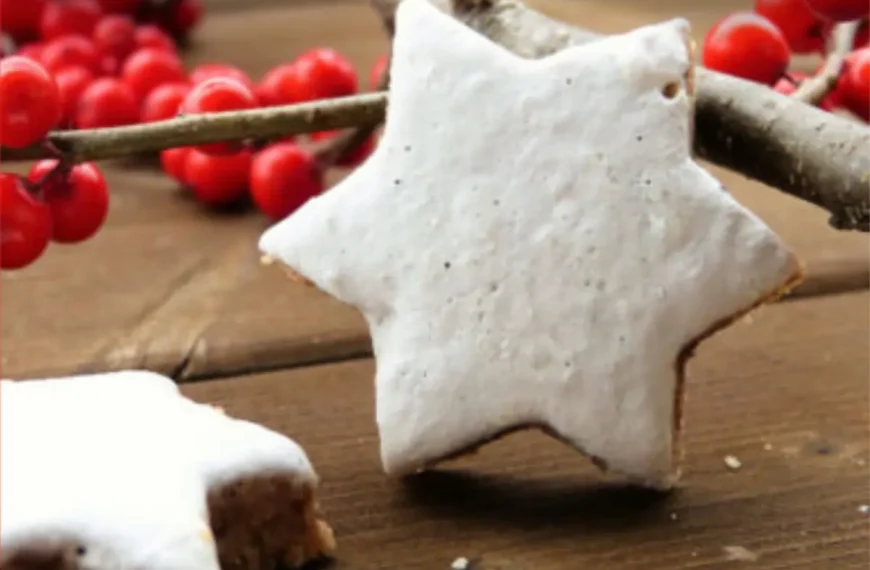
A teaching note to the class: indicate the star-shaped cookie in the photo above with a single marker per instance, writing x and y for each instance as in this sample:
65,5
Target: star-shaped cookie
532,244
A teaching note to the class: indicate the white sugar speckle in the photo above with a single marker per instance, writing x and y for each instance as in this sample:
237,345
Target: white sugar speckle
732,462
864,509
461,563
674,516
768,447
739,553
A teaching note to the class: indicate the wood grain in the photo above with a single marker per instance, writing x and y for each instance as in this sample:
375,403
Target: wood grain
786,393
170,286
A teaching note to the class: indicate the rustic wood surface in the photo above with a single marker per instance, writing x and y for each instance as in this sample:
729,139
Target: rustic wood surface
785,393
171,287
175,288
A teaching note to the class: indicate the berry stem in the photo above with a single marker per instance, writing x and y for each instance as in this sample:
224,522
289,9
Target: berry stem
343,144
815,89
37,187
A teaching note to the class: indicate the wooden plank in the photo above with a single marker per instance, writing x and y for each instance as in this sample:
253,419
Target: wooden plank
786,393
174,288
67,311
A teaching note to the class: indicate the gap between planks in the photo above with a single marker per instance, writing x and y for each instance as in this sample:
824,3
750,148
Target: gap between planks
358,347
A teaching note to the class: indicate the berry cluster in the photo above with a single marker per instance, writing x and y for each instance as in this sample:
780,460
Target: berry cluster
76,64
279,176
55,202
98,68
758,46
40,21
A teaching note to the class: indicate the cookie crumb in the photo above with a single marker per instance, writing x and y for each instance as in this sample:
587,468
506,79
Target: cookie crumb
739,553
732,462
461,563
864,509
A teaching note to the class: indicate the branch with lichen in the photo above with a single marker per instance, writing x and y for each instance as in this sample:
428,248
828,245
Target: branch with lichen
813,155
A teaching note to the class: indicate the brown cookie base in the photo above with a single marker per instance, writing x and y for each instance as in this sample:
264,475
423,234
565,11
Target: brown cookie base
262,522
267,522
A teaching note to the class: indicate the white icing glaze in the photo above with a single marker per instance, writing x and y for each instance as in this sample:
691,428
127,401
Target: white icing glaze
121,463
531,242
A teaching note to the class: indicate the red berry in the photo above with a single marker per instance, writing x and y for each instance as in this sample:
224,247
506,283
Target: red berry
173,161
67,51
357,156
803,30
150,36
119,6
207,71
25,224
317,74
283,177
840,10
32,51
30,102
71,82
69,17
855,83
163,102
329,74
79,202
269,90
378,71
215,179
216,95
110,65
182,16
149,68
746,45
107,102
20,18
115,35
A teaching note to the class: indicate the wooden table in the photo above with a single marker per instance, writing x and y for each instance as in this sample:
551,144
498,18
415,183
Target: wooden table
172,287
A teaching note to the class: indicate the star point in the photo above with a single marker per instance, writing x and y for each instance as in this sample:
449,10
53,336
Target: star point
533,245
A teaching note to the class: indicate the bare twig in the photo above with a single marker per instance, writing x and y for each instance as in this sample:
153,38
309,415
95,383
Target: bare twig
816,156
271,122
814,89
